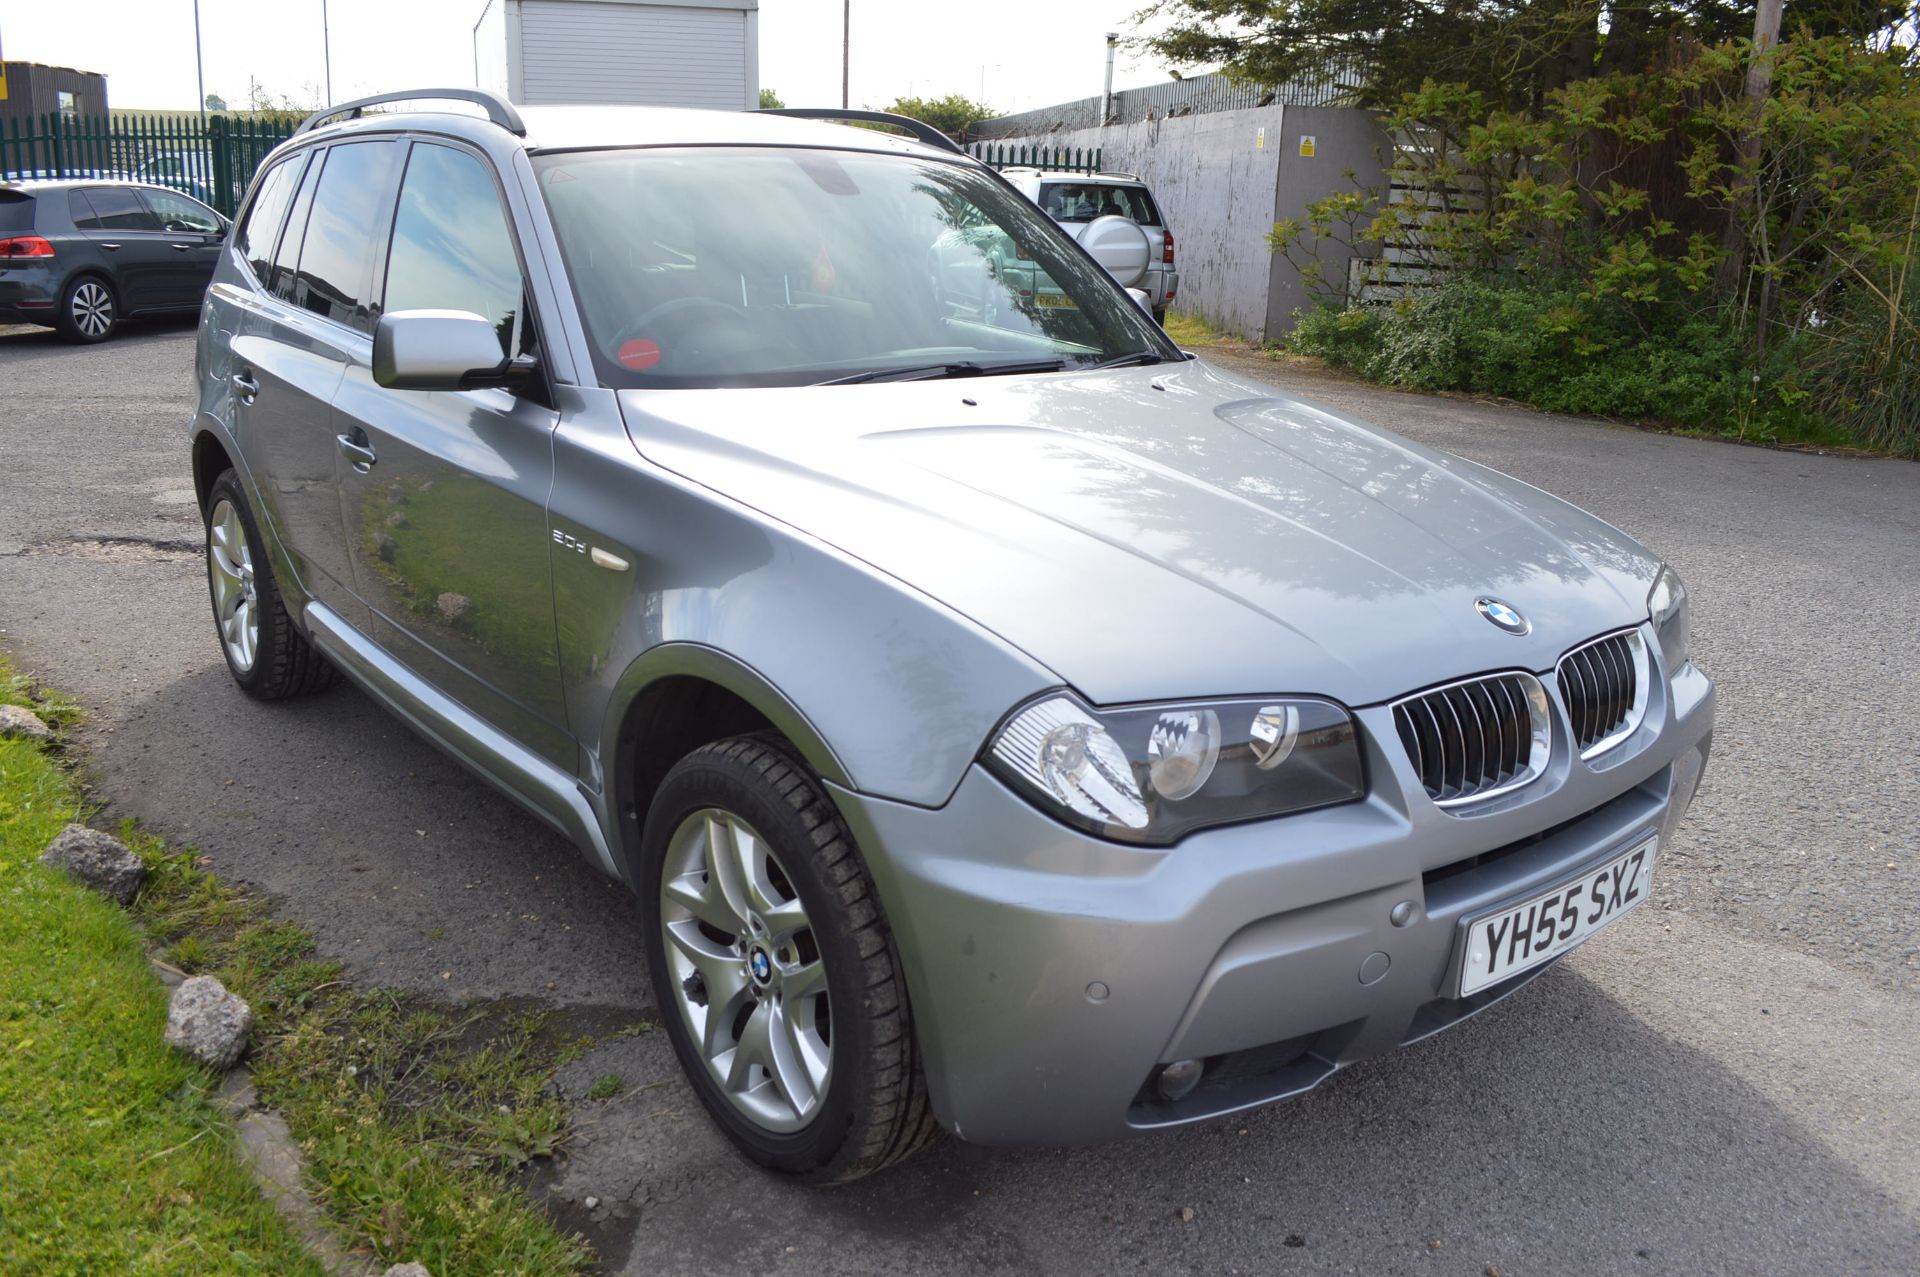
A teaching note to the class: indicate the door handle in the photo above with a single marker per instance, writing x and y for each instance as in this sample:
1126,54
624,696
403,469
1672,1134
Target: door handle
111,248
246,385
182,248
353,450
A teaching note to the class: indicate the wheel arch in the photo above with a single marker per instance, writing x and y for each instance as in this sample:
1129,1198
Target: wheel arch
675,698
210,458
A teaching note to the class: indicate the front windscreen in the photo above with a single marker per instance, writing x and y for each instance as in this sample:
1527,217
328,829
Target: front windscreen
775,266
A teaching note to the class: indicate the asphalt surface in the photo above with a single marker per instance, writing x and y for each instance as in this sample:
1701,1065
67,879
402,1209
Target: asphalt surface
1726,1082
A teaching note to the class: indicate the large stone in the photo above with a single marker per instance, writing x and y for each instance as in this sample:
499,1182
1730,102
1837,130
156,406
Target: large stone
24,723
208,1023
407,1270
96,860
454,607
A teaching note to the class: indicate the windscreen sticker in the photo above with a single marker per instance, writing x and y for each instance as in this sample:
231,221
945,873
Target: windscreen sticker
638,354
823,273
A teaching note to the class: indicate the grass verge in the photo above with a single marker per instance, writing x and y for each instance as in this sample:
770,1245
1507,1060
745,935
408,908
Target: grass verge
415,1120
113,1158
1189,331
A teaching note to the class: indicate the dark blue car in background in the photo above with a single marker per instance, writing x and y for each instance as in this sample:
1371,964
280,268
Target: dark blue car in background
82,255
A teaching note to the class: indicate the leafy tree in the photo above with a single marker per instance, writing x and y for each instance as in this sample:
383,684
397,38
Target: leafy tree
953,114
1515,52
770,101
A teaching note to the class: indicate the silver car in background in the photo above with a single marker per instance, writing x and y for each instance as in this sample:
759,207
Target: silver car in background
1006,722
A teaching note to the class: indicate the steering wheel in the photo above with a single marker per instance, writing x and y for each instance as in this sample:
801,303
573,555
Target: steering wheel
638,326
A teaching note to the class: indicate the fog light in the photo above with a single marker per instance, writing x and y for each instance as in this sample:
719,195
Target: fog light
1179,1078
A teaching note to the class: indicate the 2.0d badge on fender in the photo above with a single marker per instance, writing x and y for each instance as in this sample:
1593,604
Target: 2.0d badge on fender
1006,722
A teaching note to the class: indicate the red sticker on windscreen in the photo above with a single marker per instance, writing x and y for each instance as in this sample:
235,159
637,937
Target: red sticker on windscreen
638,353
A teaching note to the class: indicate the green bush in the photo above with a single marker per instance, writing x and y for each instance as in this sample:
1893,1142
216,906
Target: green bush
1556,350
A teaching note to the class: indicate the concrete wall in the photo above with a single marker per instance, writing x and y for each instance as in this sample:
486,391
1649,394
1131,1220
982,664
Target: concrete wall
1344,140
1222,178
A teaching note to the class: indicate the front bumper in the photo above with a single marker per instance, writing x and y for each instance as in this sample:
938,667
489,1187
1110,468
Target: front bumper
1052,973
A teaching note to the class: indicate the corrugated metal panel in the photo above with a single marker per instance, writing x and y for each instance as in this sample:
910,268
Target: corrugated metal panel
1197,95
637,55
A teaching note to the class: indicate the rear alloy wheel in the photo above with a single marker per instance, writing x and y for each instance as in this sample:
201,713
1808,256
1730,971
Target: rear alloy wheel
774,967
87,310
267,656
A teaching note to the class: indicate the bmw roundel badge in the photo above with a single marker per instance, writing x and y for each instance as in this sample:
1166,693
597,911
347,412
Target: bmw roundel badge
1503,616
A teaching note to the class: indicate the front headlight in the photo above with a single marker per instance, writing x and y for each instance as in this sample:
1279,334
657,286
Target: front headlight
1667,606
1151,774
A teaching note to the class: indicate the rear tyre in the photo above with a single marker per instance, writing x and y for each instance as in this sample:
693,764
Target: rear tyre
267,656
774,967
1160,316
89,312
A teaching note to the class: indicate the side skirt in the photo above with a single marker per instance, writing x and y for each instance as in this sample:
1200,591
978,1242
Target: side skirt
523,776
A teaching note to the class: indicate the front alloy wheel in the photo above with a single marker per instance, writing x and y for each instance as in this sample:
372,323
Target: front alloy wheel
774,967
746,972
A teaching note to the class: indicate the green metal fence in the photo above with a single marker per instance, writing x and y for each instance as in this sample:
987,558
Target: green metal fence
211,161
1059,159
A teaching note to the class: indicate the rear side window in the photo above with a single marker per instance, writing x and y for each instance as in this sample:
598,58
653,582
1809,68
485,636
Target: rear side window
1084,201
110,208
286,259
262,222
16,212
452,249
336,257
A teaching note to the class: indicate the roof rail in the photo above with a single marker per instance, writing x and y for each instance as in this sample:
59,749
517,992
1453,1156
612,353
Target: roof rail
498,109
920,129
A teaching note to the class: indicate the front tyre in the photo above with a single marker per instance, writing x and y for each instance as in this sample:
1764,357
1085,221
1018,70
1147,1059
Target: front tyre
774,967
267,656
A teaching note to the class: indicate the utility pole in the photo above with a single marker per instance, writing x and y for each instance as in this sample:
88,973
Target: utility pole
199,67
326,48
846,47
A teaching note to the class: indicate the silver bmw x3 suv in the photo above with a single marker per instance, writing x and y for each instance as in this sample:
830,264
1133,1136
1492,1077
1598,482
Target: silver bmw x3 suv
1016,727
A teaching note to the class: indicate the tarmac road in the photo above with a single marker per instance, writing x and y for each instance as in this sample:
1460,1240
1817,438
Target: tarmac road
1726,1082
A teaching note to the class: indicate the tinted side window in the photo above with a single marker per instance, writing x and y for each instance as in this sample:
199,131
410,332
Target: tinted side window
81,212
178,213
262,222
286,259
116,208
452,249
336,258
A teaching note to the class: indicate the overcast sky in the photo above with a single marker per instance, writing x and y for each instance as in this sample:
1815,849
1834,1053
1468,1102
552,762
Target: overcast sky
1018,54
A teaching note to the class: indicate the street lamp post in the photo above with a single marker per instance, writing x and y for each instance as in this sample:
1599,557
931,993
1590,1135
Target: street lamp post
846,47
326,49
199,66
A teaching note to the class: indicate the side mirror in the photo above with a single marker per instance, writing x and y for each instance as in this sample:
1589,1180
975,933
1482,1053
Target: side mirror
437,350
1141,300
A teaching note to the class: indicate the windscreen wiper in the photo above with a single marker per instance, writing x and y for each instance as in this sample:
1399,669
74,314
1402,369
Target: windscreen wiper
952,368
1131,357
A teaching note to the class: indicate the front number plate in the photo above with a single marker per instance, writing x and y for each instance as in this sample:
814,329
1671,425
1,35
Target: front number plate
1501,945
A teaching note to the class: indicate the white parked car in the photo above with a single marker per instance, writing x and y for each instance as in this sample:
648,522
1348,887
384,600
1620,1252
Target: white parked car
1095,206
